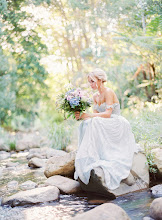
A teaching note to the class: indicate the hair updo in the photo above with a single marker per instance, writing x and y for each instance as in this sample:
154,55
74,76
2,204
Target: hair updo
99,74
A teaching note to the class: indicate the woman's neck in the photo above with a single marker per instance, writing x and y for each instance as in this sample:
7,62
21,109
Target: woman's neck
101,90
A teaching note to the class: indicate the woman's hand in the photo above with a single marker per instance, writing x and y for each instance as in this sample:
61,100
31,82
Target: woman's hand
84,116
77,115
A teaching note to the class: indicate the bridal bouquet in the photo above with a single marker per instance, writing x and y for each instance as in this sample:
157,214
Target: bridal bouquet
74,100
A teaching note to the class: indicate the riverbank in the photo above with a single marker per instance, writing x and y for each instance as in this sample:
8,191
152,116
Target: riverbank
15,171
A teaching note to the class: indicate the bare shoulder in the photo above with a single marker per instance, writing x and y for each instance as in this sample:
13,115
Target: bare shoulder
111,96
109,92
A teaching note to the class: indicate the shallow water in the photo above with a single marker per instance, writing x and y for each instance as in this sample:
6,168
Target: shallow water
136,206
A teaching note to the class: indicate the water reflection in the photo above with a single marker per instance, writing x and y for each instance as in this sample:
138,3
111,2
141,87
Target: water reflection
135,204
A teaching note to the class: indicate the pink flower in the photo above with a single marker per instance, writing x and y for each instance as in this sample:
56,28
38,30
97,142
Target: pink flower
69,97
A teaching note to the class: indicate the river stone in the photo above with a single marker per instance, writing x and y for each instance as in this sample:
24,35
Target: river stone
37,152
12,185
63,165
19,154
44,152
33,196
12,164
38,155
138,179
107,211
37,162
156,190
71,148
156,209
147,218
64,184
53,152
1,172
28,185
4,155
158,160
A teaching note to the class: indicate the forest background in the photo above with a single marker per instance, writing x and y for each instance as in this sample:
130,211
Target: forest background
45,45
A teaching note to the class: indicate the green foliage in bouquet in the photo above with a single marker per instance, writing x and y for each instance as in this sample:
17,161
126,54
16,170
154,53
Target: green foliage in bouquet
74,100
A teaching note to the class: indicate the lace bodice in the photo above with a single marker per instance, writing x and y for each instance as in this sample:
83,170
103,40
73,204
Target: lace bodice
101,108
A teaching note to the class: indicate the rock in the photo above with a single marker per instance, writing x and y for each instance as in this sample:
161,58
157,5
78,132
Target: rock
156,209
62,165
53,152
107,211
140,168
38,155
33,196
37,152
71,148
1,172
138,179
27,141
11,164
147,218
130,180
156,190
21,145
37,162
42,185
19,155
158,160
3,146
28,185
45,152
12,185
64,184
4,155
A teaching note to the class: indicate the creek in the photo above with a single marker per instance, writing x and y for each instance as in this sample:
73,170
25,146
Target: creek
135,204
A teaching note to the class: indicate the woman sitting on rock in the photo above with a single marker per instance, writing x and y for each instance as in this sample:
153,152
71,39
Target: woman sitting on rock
105,137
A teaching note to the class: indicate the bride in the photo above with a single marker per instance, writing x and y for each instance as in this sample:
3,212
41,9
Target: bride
105,137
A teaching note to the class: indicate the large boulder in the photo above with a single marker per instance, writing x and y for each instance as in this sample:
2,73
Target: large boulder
107,211
33,196
64,184
156,209
157,152
60,165
138,179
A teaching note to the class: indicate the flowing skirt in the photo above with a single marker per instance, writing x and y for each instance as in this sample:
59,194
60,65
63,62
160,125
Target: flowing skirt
107,143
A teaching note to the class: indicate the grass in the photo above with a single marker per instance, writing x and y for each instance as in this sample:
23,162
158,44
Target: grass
147,127
60,134
12,146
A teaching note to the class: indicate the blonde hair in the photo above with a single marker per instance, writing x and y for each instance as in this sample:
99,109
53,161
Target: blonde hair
99,74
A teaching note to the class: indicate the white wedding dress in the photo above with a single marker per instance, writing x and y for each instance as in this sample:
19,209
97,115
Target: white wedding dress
107,143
